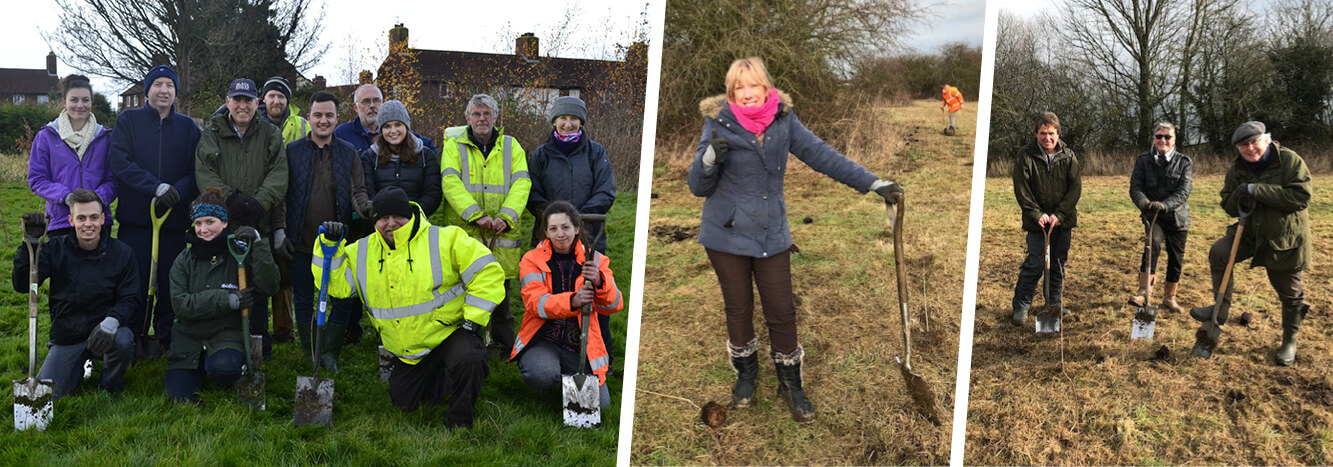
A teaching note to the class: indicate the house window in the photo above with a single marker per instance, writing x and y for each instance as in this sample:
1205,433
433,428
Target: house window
43,99
18,98
574,92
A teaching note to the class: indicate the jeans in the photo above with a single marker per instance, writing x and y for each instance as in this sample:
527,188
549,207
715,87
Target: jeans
64,364
222,368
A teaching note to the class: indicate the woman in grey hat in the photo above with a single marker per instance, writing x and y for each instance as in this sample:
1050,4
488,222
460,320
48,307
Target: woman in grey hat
398,158
572,167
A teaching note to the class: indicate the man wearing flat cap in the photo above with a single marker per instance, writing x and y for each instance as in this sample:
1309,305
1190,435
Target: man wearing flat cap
1268,188
244,156
429,291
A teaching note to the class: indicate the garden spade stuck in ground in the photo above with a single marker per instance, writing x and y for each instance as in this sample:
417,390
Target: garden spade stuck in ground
145,349
582,399
1210,332
1144,324
33,398
922,395
314,395
250,388
1049,315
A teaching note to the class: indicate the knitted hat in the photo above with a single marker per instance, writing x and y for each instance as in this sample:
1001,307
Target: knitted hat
277,83
1247,132
394,110
567,105
159,72
392,200
208,210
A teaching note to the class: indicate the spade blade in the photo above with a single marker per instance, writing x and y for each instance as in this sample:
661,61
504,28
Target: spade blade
1048,319
1144,325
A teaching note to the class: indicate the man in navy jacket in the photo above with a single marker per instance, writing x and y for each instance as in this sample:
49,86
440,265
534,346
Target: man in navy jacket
152,157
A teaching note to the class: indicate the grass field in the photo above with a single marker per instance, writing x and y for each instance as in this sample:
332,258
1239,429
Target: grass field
140,427
847,312
1093,397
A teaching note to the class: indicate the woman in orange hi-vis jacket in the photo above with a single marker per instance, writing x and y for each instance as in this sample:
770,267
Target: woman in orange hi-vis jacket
953,101
558,279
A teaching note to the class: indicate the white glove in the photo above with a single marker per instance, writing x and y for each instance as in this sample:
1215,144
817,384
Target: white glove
67,197
279,236
109,325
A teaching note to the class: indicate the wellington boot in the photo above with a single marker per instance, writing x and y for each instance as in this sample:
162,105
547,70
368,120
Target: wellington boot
303,340
1204,314
331,346
790,385
745,360
1292,315
1169,298
1020,314
1141,296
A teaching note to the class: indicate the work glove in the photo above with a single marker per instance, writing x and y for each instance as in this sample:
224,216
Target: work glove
592,275
67,197
34,226
241,299
333,230
281,246
103,338
247,234
1156,206
888,190
717,150
167,196
472,328
1245,197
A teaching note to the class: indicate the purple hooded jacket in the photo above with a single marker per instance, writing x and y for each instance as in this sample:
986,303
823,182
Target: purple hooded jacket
54,170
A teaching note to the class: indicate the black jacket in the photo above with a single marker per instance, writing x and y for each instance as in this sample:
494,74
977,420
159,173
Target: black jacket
1170,183
583,177
421,179
86,286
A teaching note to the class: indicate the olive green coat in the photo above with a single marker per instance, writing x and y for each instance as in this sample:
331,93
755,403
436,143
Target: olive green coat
1048,187
1280,224
199,292
255,165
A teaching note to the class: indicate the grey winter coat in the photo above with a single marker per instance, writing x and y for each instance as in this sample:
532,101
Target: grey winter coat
1170,184
744,211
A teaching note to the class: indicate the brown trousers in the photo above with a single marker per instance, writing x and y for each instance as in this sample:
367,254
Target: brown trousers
738,276
1289,285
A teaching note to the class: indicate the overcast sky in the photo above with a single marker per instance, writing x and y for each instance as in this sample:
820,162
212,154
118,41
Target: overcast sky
598,26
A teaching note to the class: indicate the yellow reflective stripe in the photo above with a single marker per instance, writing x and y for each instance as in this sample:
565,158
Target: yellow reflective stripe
531,277
436,269
413,357
519,344
541,306
614,303
449,171
521,174
363,247
508,164
470,211
420,308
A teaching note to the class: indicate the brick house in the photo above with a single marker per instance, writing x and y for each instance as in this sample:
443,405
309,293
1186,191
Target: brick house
31,87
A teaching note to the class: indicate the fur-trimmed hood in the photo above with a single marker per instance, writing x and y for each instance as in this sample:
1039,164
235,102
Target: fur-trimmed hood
712,107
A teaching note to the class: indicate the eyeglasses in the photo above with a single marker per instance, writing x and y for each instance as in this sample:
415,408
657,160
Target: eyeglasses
1165,137
369,101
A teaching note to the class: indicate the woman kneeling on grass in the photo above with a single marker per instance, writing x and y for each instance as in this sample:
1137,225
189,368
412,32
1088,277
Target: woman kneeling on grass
738,167
555,290
208,302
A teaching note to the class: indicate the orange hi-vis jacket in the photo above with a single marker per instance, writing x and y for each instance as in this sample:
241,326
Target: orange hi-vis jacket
540,304
953,98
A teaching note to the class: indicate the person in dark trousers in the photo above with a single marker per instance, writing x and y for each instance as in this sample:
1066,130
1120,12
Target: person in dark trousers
327,183
1268,188
94,285
1160,187
208,338
574,168
277,107
243,155
1048,180
152,157
429,291
739,167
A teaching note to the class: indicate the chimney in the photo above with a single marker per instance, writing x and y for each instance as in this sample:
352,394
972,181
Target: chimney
526,46
51,64
397,36
319,82
366,77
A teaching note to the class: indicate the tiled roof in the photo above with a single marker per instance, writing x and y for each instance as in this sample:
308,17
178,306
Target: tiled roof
449,66
21,81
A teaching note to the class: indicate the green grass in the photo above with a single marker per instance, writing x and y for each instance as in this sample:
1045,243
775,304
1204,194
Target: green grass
140,426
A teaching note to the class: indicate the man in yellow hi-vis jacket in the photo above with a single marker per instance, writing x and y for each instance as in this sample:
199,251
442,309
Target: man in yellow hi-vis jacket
430,291
486,186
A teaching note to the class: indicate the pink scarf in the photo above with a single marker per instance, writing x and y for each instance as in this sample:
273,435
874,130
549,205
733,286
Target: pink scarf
757,119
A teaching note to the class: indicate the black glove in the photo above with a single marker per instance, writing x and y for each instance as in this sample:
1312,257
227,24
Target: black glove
34,226
333,230
1156,206
1244,199
103,338
720,147
242,299
168,199
247,234
471,327
890,192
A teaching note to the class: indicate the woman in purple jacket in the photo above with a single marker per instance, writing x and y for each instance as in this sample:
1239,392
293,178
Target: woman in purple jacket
71,153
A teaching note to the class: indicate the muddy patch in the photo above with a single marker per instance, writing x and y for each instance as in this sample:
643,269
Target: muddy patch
674,233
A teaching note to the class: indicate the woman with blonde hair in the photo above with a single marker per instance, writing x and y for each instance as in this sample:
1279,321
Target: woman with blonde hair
738,168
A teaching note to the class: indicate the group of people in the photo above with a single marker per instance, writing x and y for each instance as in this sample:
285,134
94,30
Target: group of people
272,193
1267,188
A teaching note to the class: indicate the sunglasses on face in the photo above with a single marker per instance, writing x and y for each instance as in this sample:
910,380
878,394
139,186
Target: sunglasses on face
1165,137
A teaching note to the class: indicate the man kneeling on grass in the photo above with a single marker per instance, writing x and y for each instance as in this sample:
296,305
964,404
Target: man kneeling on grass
93,290
430,291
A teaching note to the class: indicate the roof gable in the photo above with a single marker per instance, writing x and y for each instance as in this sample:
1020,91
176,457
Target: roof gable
21,81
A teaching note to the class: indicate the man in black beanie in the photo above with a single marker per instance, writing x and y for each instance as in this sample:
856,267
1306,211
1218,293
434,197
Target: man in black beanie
277,107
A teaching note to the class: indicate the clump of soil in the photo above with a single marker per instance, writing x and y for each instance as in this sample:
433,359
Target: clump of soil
713,414
1244,319
674,233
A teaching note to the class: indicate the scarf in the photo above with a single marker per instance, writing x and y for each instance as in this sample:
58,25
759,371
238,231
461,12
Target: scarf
757,119
567,144
209,249
1259,165
77,140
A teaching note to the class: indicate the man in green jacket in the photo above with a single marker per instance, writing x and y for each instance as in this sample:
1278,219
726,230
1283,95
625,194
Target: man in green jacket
244,156
1268,188
1047,183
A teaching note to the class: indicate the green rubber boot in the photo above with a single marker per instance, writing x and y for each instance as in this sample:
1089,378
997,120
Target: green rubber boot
331,345
303,339
1291,324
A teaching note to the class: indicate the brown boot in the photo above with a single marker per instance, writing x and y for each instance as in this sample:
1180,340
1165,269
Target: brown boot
1169,298
1141,296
